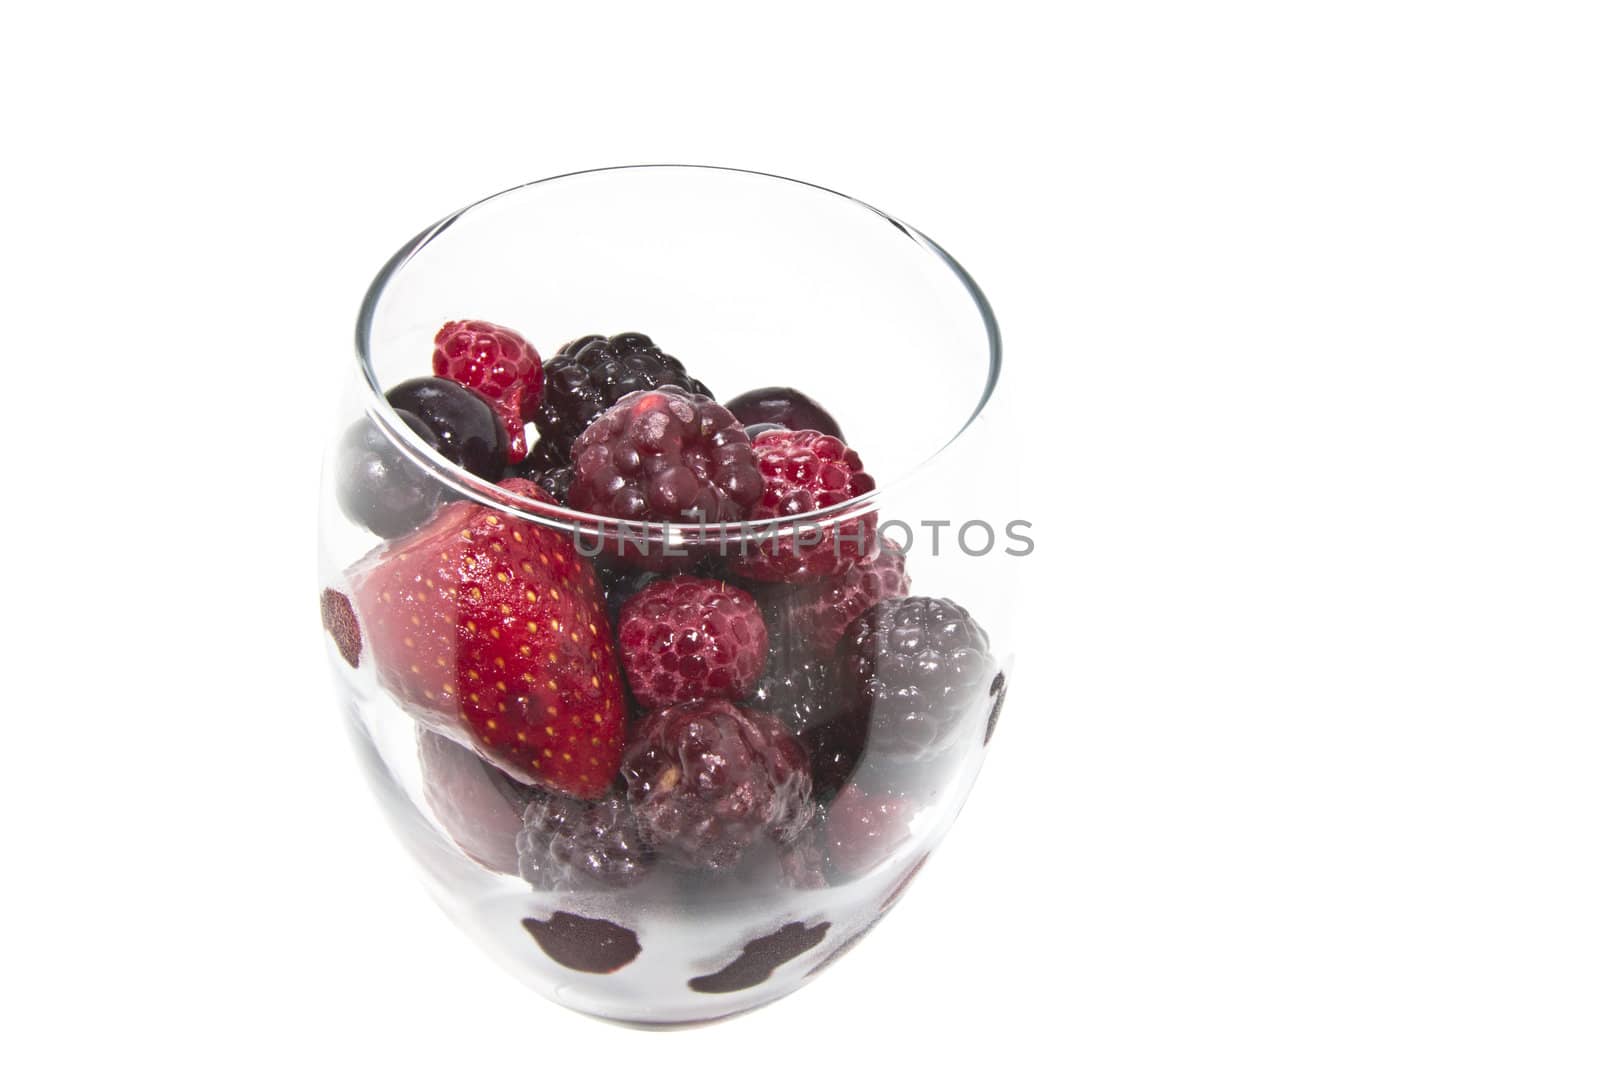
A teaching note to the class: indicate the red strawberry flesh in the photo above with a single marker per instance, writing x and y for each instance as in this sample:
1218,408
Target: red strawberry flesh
493,630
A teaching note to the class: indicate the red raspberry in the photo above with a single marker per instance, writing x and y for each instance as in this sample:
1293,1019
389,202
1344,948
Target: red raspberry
821,611
500,366
689,638
862,829
803,470
707,779
665,454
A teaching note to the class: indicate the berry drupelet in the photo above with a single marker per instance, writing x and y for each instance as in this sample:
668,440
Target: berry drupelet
916,665
665,455
566,843
588,375
800,689
819,612
708,779
688,638
498,365
802,471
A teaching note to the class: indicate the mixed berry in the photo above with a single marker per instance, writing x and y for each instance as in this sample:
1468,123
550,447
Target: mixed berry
587,723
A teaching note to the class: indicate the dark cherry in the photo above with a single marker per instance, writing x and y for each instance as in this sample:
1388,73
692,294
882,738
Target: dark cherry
380,488
469,434
789,408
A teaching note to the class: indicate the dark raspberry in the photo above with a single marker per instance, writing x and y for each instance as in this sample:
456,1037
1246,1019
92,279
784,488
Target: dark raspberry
862,829
665,455
478,805
689,638
380,488
820,611
707,779
800,689
498,365
587,376
470,434
802,471
918,666
788,408
566,843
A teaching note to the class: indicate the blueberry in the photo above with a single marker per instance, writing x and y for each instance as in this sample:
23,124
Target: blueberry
789,408
760,428
468,432
380,488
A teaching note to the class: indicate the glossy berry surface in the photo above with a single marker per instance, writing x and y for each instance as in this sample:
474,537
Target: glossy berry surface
918,666
819,611
665,455
588,375
802,471
492,629
566,843
799,688
688,638
469,433
380,488
862,829
708,779
785,407
499,365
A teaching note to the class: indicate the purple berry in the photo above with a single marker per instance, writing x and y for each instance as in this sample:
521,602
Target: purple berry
917,666
567,843
470,435
708,779
789,408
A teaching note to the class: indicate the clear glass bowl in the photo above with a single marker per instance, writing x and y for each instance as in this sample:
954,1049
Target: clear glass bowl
752,281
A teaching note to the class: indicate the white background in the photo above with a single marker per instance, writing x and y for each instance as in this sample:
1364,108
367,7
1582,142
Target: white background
1301,764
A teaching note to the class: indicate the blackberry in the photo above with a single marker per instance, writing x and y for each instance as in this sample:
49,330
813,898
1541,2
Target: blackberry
916,665
708,779
548,469
588,375
566,843
800,689
665,455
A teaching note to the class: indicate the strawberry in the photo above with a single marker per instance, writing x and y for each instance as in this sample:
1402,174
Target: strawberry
493,629
499,365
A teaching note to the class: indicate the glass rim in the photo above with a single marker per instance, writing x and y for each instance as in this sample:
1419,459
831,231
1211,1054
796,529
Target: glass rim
466,485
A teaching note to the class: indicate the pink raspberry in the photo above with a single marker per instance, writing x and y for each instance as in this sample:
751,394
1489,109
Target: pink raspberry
802,471
819,612
497,364
689,638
